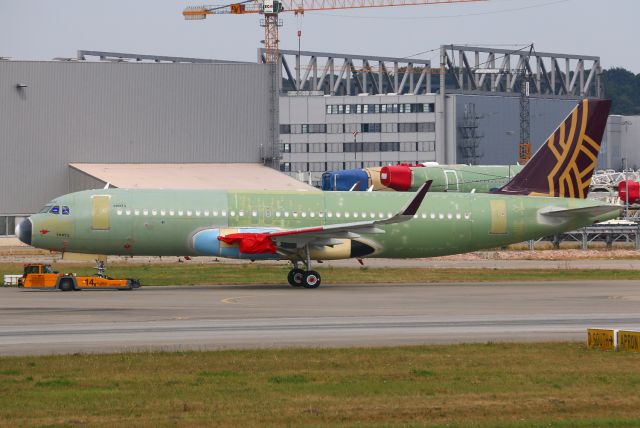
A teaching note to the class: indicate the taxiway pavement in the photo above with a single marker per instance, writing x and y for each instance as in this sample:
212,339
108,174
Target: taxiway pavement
219,317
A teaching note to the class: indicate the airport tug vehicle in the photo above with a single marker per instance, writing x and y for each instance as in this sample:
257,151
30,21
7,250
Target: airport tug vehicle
42,276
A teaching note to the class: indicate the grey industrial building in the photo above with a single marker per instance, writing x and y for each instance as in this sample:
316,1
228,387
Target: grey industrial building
56,113
353,111
331,111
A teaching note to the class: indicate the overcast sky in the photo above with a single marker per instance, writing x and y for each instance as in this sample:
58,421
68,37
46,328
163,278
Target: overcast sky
44,29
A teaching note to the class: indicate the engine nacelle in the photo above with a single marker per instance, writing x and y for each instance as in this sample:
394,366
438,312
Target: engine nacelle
629,191
398,177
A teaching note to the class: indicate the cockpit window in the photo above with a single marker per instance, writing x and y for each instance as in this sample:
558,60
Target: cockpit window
45,209
55,210
47,269
65,210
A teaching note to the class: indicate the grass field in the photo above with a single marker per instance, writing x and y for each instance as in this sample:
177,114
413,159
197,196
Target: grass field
518,385
258,273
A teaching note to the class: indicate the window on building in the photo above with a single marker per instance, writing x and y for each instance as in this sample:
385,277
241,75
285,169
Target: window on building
285,166
335,128
351,127
334,147
389,146
299,166
389,127
426,127
285,148
298,148
426,146
370,127
285,129
408,147
317,166
407,127
317,148
296,129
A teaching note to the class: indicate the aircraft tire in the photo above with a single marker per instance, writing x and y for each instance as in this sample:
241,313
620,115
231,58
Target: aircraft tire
296,277
311,279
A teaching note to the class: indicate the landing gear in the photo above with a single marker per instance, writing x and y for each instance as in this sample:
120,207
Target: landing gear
304,278
311,279
295,277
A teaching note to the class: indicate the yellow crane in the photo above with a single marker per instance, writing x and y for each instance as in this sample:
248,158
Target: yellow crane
272,8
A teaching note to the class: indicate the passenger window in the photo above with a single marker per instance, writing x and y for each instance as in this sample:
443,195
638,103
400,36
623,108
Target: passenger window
65,210
55,210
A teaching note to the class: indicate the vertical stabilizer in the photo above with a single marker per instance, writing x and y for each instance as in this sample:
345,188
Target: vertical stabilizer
563,166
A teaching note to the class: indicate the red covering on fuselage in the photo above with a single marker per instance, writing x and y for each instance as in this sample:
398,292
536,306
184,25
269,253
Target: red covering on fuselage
251,243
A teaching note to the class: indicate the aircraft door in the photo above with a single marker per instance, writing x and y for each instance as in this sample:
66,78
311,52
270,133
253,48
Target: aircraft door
451,180
100,212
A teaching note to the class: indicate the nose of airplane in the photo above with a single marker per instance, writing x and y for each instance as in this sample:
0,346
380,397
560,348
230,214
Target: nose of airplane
23,231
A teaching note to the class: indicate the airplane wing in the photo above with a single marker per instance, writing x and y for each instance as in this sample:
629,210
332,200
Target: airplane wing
269,242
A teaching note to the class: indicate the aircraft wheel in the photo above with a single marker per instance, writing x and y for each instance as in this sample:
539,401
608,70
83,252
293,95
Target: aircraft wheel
311,279
295,277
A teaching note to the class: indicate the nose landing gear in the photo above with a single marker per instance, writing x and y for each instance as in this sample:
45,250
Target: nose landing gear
304,278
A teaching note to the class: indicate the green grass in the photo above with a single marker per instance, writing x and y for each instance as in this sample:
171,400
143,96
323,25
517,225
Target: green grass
512,385
259,273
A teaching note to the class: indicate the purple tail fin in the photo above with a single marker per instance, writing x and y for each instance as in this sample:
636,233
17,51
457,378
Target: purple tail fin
563,166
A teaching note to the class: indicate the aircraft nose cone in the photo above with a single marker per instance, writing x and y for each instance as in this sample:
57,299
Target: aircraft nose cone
23,231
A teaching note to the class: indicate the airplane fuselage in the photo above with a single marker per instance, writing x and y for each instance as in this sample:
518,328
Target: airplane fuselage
188,222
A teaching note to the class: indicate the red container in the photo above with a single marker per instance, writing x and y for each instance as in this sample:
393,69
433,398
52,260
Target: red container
629,191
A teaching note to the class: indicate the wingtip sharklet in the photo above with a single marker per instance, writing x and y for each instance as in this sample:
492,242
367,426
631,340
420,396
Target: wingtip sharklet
412,207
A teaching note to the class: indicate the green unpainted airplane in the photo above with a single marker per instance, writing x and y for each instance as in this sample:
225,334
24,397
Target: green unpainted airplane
546,198
448,178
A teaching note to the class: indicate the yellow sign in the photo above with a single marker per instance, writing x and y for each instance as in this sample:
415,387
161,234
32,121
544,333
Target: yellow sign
598,338
629,341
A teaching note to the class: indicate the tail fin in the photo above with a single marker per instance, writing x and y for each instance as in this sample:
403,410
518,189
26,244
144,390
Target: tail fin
563,166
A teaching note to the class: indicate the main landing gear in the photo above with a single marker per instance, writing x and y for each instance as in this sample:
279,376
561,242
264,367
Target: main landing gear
304,278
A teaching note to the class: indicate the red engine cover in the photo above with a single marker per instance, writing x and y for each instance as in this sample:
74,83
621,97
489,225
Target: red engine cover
629,191
397,177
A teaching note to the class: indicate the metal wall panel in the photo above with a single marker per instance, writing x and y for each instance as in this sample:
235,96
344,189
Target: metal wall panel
56,113
499,124
621,146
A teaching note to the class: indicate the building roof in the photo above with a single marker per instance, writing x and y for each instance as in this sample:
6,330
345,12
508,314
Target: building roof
238,176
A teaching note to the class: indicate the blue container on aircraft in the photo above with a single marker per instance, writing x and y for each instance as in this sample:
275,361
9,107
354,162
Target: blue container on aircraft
344,180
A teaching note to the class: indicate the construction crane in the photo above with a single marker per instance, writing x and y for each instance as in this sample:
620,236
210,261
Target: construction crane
272,8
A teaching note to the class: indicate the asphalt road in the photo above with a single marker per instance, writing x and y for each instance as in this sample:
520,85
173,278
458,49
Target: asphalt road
218,317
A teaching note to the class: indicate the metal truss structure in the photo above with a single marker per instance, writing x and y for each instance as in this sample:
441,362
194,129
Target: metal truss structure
462,69
609,233
608,180
482,70
342,74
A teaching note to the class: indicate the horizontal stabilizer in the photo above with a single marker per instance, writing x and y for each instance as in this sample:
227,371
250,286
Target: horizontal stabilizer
582,212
